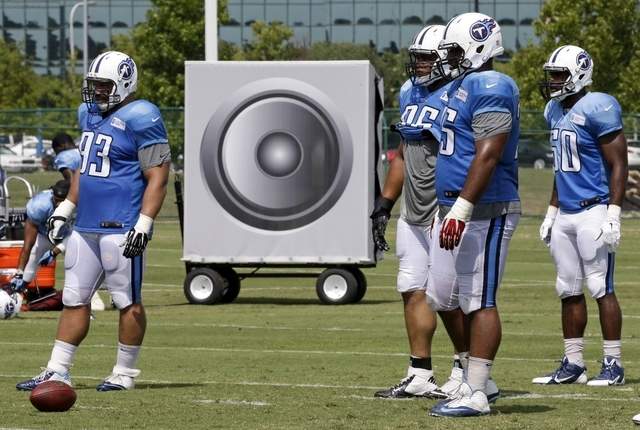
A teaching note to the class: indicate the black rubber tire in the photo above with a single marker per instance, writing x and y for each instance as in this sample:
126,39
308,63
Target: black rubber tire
232,284
204,286
362,283
337,286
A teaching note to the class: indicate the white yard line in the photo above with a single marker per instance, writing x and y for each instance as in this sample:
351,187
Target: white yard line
232,402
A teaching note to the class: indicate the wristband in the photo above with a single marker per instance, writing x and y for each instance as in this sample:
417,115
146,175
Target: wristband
462,209
552,212
144,223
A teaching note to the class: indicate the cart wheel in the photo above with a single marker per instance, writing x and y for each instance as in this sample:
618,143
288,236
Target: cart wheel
231,284
337,286
204,286
362,283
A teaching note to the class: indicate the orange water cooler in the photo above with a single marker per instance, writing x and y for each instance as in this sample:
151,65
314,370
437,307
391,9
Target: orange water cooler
9,256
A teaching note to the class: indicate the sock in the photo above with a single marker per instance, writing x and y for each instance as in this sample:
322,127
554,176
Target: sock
127,355
420,363
573,350
61,357
456,361
464,361
612,348
478,373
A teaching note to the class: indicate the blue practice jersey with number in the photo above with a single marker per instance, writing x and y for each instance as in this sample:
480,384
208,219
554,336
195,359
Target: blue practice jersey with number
582,174
111,180
420,111
39,209
68,159
477,93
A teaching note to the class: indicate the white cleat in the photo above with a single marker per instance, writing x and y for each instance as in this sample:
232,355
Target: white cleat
418,383
465,404
636,419
121,379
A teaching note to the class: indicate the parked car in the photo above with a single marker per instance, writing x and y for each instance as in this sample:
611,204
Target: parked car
633,151
29,146
12,162
534,152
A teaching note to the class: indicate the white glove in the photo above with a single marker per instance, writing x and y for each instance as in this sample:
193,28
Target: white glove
137,238
58,219
545,228
454,223
610,230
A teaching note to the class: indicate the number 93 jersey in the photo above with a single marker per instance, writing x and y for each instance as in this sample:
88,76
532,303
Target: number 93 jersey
111,179
581,173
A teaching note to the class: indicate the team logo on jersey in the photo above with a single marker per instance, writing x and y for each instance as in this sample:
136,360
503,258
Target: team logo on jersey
481,30
118,123
583,60
126,69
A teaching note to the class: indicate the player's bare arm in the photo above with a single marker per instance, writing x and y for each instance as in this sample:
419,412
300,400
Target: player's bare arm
614,151
488,154
157,179
395,177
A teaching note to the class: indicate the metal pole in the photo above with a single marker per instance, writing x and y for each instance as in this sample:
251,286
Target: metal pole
85,47
476,5
72,46
211,30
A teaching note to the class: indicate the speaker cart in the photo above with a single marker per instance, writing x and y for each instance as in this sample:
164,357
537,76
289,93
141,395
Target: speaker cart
281,162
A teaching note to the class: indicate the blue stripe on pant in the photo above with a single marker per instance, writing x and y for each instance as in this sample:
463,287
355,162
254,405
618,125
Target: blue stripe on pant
491,273
136,279
611,265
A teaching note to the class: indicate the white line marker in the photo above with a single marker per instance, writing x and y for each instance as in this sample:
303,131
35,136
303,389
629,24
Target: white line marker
232,402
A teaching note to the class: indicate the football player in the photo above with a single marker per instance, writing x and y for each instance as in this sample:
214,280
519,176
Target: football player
68,157
413,170
582,225
477,190
36,248
116,194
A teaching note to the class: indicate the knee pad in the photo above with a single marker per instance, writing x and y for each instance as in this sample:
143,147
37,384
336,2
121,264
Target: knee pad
120,299
568,287
442,296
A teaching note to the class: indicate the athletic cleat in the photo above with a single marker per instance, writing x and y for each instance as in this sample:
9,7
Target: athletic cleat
567,373
121,379
467,403
636,419
454,381
45,375
610,374
413,386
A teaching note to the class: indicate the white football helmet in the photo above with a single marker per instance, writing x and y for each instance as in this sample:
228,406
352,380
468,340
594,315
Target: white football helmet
110,67
426,42
470,39
9,304
576,63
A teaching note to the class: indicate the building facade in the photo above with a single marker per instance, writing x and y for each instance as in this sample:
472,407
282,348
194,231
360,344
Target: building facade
41,27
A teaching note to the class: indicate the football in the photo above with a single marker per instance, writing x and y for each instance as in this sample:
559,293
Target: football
53,396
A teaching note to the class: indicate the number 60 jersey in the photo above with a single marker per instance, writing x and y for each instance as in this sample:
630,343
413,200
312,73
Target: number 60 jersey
111,180
582,175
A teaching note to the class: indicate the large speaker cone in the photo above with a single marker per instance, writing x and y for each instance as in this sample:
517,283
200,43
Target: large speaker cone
277,154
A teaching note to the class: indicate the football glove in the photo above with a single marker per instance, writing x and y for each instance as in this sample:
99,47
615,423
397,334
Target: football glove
47,258
547,224
17,283
380,217
610,229
57,221
454,223
138,237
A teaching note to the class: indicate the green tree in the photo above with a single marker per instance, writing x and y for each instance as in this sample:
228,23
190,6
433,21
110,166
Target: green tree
18,78
607,29
271,42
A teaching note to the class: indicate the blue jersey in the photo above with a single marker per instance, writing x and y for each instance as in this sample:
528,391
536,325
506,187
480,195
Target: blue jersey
474,94
68,159
39,209
111,181
581,173
420,111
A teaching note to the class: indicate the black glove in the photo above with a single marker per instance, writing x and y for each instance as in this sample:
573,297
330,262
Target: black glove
380,216
135,243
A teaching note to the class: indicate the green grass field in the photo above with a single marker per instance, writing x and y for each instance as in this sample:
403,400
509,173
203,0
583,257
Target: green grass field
276,358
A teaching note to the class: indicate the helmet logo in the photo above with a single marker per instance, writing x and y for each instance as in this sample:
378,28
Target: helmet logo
583,60
481,30
125,69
